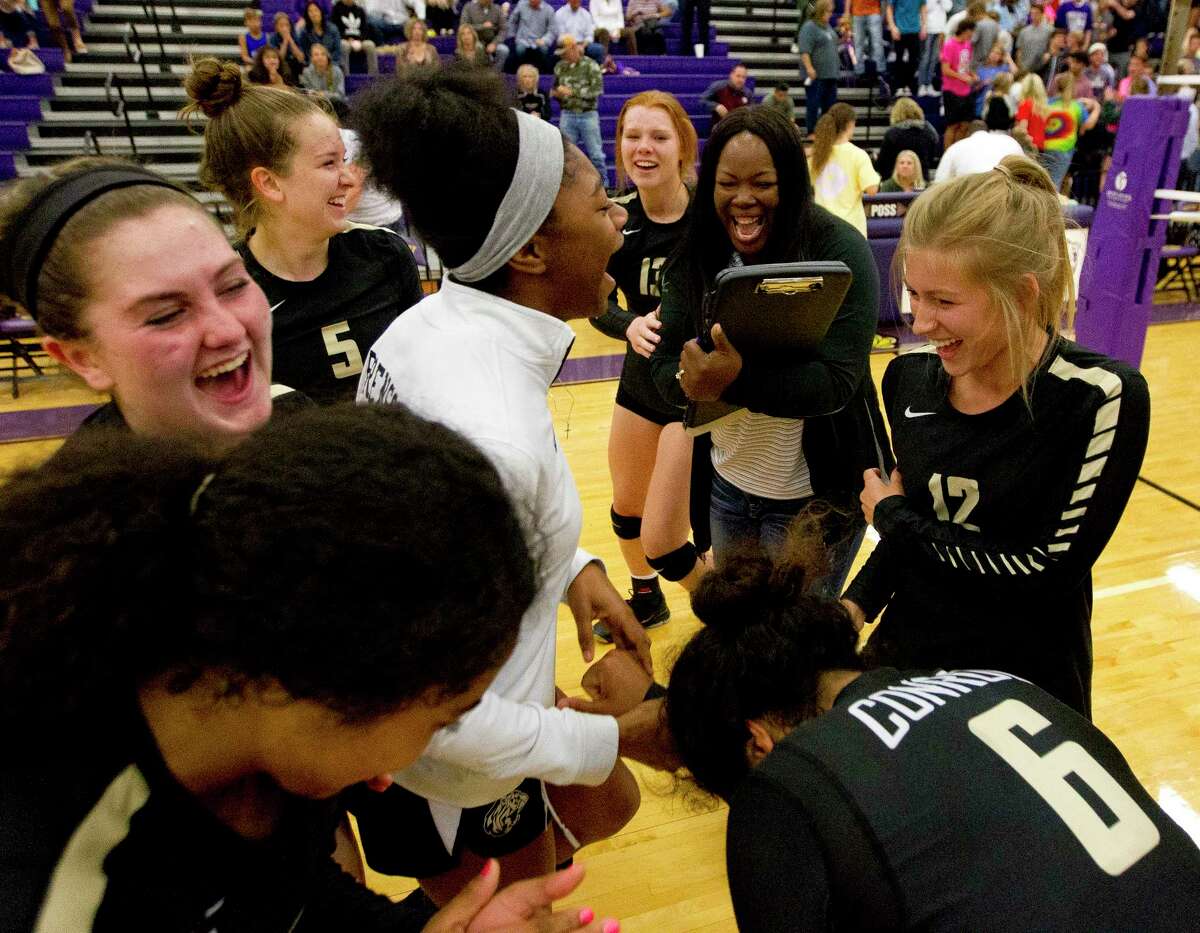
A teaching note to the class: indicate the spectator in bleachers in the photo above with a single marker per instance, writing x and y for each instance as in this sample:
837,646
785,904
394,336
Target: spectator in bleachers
1099,73
319,31
490,22
529,98
322,76
818,47
609,65
998,63
357,36
1139,67
1076,63
958,81
780,99
418,51
725,96
907,175
841,172
18,31
1012,15
908,130
609,15
1128,24
467,47
61,19
388,17
270,69
1055,58
1076,16
1069,117
1032,49
986,35
441,16
285,42
571,19
931,48
865,18
253,39
578,85
646,19
1077,42
698,11
531,27
981,151
906,25
1033,110
1000,108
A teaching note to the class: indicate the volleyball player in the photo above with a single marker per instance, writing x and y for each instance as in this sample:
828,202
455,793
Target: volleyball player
333,286
882,799
1017,449
182,698
526,232
649,456
136,289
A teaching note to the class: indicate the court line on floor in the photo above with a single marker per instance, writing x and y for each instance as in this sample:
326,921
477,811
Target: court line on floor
1166,492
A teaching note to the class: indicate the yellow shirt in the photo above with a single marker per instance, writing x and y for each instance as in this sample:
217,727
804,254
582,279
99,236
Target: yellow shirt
840,186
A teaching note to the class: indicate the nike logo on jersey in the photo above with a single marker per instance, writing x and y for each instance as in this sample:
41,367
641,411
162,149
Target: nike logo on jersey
909,413
630,232
274,306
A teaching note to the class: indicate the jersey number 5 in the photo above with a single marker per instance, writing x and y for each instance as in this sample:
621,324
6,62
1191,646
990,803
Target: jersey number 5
1114,846
345,346
957,487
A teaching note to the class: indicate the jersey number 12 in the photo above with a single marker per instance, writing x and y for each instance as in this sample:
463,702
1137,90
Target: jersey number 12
1113,847
957,487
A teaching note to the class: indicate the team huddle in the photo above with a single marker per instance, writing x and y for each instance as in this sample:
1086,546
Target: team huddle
307,563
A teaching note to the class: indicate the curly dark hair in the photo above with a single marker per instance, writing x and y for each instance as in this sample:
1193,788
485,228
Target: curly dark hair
458,125
358,557
797,229
763,648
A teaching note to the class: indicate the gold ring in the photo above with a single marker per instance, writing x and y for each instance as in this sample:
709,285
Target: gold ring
679,376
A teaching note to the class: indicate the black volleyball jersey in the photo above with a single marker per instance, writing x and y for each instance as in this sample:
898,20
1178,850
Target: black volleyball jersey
323,328
968,800
637,268
986,560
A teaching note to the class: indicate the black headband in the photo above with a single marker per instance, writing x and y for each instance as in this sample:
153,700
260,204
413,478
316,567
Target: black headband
33,232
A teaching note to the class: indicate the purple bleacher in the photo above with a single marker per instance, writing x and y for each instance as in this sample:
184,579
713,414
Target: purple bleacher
26,85
14,135
675,64
8,166
28,109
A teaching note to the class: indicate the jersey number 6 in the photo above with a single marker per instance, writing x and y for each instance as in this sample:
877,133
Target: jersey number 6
347,347
1114,847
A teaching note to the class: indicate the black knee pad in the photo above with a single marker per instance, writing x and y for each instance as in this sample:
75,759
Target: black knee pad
626,527
677,564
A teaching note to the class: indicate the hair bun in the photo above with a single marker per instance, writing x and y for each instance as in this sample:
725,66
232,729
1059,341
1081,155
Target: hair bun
214,86
745,590
1024,171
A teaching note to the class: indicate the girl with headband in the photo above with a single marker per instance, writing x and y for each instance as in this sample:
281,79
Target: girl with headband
526,231
649,455
333,286
183,698
136,289
1017,449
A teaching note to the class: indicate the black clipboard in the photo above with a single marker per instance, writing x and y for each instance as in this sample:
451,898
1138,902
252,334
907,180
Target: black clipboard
769,310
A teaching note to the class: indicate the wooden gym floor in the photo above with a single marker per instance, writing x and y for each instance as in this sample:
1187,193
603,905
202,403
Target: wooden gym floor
665,872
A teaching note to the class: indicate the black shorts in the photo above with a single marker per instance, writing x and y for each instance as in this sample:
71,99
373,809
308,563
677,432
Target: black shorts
958,109
627,401
399,836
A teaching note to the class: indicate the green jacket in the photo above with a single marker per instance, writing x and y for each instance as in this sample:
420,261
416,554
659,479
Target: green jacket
585,81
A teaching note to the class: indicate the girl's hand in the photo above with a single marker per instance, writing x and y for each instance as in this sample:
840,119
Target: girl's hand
642,333
876,489
704,376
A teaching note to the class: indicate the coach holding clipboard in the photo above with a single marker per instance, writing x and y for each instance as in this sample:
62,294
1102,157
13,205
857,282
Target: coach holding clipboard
812,424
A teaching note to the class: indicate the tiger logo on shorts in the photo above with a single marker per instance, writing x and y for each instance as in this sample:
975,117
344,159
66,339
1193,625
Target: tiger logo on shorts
505,813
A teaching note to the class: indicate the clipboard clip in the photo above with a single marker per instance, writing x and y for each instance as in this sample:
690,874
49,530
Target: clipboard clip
790,286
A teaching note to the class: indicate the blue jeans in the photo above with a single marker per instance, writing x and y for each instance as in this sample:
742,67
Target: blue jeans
868,42
738,518
583,129
931,65
818,98
1057,164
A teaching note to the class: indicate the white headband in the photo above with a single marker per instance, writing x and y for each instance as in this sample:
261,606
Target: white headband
527,202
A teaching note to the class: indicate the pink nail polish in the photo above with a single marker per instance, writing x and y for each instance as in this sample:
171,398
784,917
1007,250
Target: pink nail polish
487,868
611,926
586,916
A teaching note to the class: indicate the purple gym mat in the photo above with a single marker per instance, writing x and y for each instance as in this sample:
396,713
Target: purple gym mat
42,423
